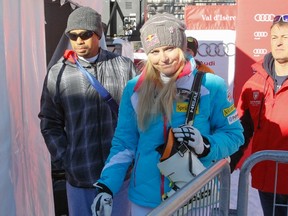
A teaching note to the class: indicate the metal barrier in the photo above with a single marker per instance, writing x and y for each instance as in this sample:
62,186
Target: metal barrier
215,179
181,203
272,155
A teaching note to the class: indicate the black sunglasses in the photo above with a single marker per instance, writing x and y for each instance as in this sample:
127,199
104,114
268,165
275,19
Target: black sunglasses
83,35
279,17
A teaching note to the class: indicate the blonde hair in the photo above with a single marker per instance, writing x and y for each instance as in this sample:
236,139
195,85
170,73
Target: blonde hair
154,97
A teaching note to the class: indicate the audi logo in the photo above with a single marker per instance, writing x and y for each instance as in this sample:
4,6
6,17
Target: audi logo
258,52
216,49
264,17
258,35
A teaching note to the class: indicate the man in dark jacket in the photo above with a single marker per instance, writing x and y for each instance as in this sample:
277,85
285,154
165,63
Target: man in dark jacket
76,122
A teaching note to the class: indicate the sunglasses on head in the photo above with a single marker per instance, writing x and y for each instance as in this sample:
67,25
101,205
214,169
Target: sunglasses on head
279,17
190,39
83,35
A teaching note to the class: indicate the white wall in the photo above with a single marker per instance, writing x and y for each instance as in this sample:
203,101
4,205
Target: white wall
25,186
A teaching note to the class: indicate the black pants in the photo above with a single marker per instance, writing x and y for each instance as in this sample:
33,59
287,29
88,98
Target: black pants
59,193
267,202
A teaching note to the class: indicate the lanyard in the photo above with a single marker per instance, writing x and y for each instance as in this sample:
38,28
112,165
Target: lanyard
99,88
193,103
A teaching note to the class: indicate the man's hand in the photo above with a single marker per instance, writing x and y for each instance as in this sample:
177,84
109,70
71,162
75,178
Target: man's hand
103,202
191,136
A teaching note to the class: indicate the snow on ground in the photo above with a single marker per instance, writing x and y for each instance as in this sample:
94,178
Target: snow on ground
254,206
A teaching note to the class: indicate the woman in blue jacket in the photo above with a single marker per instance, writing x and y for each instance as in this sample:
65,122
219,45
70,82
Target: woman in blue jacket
155,101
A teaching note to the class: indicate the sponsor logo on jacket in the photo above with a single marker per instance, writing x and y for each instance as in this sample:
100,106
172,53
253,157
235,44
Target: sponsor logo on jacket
229,110
183,106
256,100
233,118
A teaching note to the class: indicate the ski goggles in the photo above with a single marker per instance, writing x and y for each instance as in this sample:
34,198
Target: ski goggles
83,35
279,17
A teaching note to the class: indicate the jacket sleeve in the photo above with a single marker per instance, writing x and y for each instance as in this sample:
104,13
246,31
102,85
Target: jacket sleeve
226,132
52,122
124,143
248,126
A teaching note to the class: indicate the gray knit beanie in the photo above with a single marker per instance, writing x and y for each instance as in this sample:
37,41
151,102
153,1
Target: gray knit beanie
163,30
85,18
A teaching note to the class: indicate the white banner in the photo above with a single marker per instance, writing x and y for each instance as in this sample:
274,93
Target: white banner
216,51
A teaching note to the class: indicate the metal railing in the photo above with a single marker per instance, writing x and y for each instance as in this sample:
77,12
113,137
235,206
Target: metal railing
220,173
272,155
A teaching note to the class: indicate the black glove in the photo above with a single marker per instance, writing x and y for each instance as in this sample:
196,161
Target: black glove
235,158
191,136
103,202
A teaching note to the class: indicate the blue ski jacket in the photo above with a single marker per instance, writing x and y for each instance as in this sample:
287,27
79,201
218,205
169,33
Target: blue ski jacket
216,118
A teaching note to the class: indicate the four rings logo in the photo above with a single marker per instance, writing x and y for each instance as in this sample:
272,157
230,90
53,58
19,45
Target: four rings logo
258,52
216,49
222,49
264,17
258,35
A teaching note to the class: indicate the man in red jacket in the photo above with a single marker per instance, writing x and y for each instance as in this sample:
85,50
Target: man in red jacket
262,108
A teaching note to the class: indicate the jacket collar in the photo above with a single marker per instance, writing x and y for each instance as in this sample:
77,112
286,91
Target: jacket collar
70,56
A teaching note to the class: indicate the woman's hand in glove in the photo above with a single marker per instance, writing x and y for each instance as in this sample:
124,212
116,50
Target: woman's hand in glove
191,136
103,202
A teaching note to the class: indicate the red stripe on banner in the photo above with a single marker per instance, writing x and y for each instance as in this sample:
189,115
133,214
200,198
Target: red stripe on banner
210,17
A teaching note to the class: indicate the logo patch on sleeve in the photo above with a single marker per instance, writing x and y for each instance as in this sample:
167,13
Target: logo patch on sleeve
233,118
229,110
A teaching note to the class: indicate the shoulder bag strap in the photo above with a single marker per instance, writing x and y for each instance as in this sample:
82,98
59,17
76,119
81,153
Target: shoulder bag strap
194,99
99,88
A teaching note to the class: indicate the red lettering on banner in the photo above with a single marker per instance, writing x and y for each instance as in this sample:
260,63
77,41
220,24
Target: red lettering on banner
209,63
